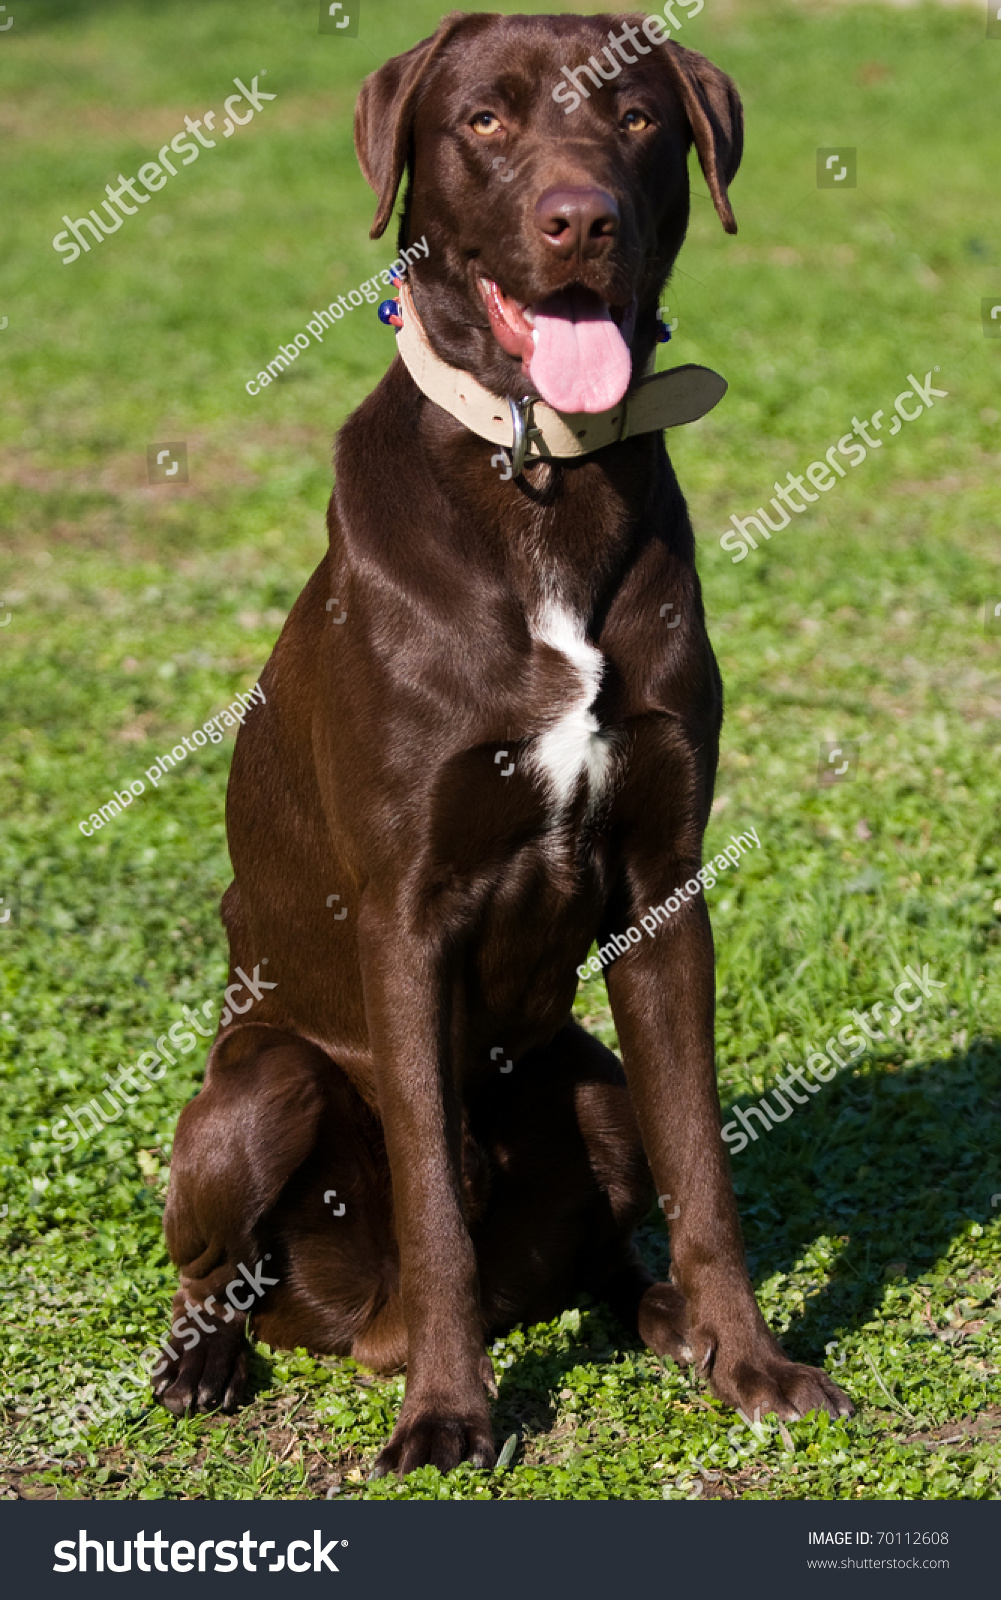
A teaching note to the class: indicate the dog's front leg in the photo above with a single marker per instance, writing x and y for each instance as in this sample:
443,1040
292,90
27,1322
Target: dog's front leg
662,995
444,1419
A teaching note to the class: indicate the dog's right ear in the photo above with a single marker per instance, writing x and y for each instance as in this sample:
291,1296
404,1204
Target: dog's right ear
384,117
716,118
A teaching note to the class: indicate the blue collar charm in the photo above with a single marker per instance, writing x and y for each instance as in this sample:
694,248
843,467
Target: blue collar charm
389,310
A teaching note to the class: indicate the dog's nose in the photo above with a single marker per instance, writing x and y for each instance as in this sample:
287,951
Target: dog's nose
578,221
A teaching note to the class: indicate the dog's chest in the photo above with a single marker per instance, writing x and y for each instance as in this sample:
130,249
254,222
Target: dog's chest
572,746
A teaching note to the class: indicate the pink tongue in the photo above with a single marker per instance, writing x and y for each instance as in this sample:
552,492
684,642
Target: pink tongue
581,361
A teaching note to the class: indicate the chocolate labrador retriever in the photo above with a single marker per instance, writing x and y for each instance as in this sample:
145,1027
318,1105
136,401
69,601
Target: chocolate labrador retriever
483,747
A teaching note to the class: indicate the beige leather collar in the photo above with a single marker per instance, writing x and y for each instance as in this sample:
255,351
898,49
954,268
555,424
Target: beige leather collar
533,431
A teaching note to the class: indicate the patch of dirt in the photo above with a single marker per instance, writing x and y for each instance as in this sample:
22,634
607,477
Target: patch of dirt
984,1427
296,1436
953,484
16,1484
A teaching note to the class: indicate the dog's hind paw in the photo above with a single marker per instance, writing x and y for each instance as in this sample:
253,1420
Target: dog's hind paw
436,1441
212,1375
663,1322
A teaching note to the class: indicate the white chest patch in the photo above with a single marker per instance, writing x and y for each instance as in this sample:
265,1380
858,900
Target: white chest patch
573,745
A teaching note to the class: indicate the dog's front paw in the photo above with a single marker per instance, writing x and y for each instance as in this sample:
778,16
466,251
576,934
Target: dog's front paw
767,1383
212,1374
436,1439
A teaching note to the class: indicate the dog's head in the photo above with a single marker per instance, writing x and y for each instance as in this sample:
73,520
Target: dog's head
548,173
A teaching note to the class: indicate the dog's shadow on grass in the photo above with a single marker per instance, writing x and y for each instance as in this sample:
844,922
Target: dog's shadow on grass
889,1164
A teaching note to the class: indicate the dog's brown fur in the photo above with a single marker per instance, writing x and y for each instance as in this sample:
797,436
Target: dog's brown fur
476,1198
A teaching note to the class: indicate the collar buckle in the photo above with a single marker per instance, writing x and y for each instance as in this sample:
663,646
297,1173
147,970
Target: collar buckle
522,432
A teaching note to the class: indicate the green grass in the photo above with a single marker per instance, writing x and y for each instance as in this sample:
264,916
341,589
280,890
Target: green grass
137,612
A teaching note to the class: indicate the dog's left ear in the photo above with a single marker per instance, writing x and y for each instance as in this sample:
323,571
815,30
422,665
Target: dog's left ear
384,116
716,118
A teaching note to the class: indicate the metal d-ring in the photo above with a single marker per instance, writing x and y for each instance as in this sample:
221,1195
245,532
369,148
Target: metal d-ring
521,432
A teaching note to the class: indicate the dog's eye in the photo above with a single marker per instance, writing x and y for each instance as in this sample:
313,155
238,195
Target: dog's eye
485,122
635,121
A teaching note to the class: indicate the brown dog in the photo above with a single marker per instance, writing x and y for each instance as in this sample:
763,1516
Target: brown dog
491,751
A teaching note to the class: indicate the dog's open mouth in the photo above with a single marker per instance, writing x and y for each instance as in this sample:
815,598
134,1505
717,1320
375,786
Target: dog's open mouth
569,343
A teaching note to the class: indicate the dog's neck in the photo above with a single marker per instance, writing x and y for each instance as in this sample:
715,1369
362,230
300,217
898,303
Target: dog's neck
534,431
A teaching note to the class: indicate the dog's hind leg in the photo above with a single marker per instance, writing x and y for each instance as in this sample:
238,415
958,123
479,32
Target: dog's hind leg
238,1147
569,1183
